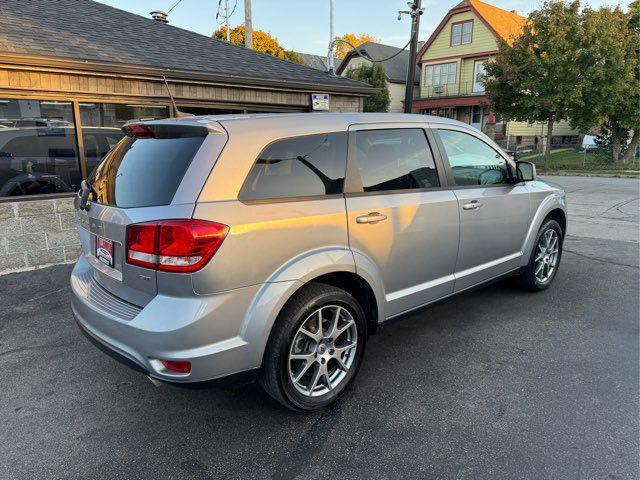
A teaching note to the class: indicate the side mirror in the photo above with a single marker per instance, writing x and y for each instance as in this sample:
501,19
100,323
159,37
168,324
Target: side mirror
525,171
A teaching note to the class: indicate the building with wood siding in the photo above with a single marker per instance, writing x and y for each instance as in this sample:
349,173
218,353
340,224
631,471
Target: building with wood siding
73,72
452,61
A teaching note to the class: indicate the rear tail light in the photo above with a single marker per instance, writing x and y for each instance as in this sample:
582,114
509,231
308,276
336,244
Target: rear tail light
138,130
174,245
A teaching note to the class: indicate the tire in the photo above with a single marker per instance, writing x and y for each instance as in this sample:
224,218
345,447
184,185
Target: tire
287,338
529,278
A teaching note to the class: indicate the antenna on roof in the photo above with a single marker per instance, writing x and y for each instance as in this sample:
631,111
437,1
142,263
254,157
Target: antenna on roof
179,114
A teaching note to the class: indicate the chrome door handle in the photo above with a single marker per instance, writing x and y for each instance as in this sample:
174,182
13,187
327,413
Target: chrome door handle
472,205
373,217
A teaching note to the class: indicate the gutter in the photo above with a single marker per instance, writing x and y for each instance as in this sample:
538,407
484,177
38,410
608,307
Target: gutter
75,65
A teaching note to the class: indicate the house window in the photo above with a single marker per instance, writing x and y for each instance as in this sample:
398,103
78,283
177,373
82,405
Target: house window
38,148
461,33
442,74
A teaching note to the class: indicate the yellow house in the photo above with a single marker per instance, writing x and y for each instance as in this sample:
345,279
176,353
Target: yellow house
453,60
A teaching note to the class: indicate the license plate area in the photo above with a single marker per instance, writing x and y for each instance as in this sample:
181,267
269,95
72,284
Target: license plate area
104,251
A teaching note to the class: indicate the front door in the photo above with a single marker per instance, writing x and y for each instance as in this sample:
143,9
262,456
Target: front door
398,216
494,213
476,117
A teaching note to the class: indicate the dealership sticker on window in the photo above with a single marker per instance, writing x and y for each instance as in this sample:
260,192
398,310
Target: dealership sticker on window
320,101
104,251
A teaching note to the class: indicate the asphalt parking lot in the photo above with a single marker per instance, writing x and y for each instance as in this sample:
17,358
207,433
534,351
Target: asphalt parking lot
496,383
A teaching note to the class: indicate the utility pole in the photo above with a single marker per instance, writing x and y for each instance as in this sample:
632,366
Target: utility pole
226,19
248,27
416,11
330,53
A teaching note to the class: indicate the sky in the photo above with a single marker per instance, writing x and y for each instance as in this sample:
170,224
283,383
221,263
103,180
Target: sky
303,25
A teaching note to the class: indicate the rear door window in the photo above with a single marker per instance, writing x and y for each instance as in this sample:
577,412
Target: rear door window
146,169
395,159
304,166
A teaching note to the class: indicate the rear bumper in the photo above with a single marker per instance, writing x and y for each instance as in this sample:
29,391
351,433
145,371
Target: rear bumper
205,330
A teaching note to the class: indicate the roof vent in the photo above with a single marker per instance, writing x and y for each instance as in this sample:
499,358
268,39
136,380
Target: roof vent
159,16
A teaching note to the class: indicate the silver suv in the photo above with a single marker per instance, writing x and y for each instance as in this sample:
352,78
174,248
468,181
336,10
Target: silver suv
272,246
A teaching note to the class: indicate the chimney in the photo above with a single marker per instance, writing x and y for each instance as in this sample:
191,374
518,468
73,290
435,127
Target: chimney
159,16
420,45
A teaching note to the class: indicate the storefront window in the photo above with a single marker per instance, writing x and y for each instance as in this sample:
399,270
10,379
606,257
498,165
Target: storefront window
38,148
101,124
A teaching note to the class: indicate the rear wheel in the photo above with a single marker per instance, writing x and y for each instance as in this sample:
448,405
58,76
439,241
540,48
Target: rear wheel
315,348
545,258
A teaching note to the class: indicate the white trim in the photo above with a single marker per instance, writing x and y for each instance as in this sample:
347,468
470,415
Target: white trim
418,288
484,266
447,278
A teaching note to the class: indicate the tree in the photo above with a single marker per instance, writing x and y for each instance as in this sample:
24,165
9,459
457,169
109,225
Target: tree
262,42
634,104
534,78
373,74
355,39
608,80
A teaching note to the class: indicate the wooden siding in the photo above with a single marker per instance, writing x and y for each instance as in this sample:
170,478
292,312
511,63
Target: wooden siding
482,39
441,51
525,129
51,83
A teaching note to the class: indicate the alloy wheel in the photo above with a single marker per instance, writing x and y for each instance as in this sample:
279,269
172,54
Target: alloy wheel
546,256
323,350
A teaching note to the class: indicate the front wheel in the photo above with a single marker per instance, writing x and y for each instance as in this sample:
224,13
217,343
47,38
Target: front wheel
315,348
545,258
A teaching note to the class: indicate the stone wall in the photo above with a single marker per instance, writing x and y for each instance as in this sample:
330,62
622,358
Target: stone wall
35,233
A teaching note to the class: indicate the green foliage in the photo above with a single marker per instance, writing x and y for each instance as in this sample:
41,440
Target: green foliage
610,93
373,74
568,64
533,79
262,42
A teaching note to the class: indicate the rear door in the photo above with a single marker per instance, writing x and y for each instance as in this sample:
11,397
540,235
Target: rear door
494,211
400,213
155,172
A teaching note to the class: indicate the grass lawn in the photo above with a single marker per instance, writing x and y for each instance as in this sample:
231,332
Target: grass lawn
579,161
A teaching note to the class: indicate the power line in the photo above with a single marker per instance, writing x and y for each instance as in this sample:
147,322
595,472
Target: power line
366,56
174,6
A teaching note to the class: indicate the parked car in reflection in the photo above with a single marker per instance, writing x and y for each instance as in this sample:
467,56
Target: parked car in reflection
41,156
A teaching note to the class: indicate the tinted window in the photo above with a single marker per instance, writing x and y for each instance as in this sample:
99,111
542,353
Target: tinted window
472,161
300,166
38,148
142,172
101,123
394,160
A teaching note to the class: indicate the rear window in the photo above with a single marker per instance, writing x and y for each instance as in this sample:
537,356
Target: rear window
395,159
146,170
311,165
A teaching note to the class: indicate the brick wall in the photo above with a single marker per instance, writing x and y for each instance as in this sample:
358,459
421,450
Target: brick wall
35,233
